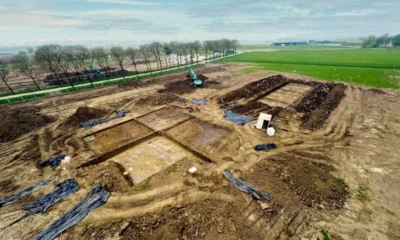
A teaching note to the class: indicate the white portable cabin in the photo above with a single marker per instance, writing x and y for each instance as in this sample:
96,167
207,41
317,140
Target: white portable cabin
263,121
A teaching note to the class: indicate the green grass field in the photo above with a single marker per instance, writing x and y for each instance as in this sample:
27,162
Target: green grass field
372,67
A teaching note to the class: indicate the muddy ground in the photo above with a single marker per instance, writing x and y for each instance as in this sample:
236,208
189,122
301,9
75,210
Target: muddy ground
335,167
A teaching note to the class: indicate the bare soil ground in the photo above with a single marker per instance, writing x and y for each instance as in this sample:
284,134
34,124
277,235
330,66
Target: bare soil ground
335,167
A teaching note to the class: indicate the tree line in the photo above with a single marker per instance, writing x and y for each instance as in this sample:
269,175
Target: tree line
382,41
74,63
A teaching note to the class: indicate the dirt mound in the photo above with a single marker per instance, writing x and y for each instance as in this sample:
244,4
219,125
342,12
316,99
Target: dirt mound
84,114
17,122
253,89
183,86
311,183
319,103
179,87
159,99
209,219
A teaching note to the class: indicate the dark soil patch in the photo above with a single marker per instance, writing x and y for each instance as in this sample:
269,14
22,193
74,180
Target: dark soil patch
159,99
312,183
17,122
254,89
319,103
84,114
209,219
8,186
183,86
32,150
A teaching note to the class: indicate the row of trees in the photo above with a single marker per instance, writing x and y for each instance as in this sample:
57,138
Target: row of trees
71,61
382,41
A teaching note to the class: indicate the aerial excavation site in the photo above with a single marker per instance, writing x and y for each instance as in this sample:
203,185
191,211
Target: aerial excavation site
199,120
262,155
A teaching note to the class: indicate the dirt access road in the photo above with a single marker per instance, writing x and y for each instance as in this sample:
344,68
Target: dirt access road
335,167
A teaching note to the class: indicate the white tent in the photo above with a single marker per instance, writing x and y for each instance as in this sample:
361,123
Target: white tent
263,121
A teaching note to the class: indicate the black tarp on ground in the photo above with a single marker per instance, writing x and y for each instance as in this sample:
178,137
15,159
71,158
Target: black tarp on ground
245,187
96,197
8,200
60,192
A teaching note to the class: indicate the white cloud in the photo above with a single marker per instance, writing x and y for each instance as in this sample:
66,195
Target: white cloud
124,2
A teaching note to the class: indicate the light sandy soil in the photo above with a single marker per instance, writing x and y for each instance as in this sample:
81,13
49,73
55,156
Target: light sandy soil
316,177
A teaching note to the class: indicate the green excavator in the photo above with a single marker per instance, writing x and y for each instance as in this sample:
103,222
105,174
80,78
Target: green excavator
192,75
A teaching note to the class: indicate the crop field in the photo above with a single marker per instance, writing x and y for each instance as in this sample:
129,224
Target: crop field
372,67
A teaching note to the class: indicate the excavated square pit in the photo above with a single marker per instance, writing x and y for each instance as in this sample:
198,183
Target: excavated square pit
286,96
164,118
150,157
112,138
198,134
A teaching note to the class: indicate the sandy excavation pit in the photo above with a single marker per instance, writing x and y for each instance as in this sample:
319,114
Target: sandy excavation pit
286,96
150,157
198,134
164,118
112,138
320,176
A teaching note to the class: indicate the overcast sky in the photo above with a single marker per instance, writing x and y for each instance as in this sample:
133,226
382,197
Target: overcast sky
130,22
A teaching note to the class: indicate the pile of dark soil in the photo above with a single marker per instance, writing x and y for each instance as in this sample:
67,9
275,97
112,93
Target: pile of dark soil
319,103
311,183
17,122
84,114
209,219
8,186
159,99
253,89
183,86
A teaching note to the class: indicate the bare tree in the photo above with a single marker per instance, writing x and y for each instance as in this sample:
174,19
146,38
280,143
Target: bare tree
196,47
206,47
235,44
118,54
225,44
78,55
133,54
167,52
145,52
175,50
101,56
190,49
64,63
4,72
48,56
24,65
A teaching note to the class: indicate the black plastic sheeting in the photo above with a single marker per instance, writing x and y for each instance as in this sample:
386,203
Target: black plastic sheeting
263,147
60,192
199,101
120,113
237,118
245,187
182,100
8,200
53,162
96,197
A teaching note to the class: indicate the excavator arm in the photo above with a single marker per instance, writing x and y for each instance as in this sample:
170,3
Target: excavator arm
195,81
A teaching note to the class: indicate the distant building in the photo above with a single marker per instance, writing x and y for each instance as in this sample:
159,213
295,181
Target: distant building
314,42
284,44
